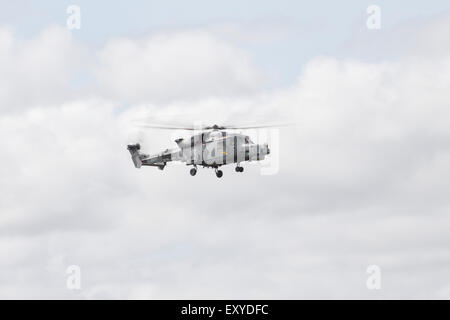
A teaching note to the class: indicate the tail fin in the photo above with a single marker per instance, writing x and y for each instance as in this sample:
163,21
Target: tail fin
135,154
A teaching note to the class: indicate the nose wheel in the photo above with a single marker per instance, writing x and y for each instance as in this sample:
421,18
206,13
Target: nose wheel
239,169
193,172
219,173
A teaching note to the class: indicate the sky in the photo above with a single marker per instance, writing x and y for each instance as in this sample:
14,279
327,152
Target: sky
361,180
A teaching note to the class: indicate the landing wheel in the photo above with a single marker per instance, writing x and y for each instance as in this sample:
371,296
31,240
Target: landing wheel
219,173
239,169
193,172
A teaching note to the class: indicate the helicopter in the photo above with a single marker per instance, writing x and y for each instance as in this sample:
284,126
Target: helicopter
209,147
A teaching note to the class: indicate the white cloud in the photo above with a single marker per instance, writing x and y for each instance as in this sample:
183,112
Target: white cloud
363,180
37,71
175,66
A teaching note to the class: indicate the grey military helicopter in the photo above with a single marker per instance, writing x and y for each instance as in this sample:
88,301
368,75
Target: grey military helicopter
209,147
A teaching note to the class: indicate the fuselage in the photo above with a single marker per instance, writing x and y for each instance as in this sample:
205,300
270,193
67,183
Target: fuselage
218,148
209,149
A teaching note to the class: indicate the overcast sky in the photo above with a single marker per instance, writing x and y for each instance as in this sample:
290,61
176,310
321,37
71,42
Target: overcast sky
363,178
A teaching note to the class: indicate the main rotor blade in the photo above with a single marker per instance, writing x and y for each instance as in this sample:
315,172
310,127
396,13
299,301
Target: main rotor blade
256,127
166,127
214,127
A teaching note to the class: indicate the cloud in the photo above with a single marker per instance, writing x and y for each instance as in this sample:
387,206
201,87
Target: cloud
175,66
373,126
37,71
421,37
363,180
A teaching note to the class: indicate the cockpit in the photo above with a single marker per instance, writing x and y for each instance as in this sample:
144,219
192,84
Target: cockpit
247,140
